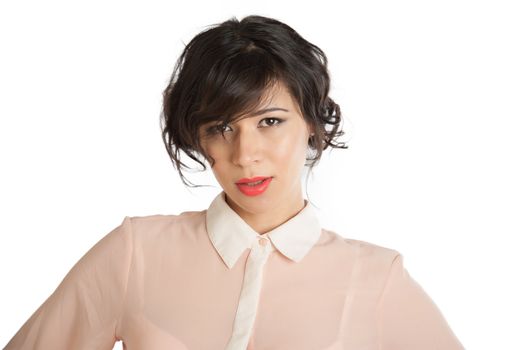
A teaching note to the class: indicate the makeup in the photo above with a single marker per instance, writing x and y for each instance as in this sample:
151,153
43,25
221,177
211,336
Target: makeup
254,186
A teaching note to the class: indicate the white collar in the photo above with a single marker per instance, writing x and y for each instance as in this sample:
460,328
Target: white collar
231,235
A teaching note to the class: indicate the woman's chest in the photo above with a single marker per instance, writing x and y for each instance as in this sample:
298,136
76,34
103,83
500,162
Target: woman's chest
197,311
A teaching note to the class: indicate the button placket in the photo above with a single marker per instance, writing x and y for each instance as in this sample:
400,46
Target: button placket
249,298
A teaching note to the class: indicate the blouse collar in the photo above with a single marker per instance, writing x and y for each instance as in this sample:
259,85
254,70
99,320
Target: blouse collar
231,235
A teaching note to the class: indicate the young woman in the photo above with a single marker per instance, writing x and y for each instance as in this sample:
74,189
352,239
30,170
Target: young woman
255,270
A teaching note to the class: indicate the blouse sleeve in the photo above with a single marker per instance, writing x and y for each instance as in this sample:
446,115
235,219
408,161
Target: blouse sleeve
408,318
83,311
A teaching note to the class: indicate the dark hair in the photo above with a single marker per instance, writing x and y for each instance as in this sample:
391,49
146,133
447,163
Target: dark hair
225,71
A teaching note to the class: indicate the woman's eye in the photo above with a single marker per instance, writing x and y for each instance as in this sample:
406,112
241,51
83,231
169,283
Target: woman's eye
276,121
220,128
216,129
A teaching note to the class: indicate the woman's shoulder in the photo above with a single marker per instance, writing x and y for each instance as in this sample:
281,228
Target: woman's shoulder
160,224
371,263
150,235
368,251
165,219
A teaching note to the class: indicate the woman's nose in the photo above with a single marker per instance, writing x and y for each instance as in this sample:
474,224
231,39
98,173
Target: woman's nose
246,147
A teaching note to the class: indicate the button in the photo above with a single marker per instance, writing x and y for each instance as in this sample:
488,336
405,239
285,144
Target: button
262,242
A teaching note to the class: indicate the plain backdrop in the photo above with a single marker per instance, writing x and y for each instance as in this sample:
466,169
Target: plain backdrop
433,99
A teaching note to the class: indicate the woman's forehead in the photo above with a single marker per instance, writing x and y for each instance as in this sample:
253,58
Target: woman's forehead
275,98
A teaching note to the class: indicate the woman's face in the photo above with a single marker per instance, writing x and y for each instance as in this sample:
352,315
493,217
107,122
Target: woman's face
271,144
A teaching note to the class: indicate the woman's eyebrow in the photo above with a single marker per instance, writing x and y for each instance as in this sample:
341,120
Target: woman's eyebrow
256,113
265,110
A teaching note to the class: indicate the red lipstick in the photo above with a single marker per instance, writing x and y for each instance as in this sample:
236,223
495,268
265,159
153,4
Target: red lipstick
248,187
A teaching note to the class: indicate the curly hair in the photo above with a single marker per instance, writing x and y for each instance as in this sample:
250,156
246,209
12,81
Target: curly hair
225,71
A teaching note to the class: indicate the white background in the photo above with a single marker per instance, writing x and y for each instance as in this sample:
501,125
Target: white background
433,97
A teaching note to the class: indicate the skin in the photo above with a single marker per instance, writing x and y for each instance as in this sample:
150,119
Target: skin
258,146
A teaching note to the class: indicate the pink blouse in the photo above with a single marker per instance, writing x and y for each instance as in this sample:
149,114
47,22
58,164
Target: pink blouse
207,280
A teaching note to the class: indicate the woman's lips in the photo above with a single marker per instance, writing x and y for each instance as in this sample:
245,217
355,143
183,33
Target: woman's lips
254,190
252,179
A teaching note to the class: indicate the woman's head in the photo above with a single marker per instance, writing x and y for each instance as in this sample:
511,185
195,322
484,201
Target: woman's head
229,72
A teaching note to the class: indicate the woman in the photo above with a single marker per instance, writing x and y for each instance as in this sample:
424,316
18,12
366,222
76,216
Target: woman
254,270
